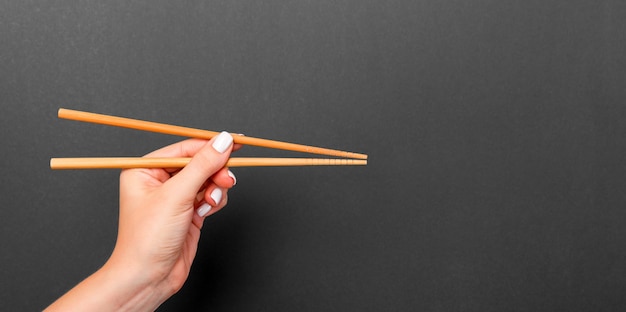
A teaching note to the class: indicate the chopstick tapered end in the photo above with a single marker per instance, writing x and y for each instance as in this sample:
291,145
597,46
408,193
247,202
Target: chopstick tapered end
358,156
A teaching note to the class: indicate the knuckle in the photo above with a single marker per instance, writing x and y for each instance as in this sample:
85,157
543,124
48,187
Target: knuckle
207,162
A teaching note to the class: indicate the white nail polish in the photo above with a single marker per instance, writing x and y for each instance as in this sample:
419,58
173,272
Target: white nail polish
222,142
232,176
203,210
216,195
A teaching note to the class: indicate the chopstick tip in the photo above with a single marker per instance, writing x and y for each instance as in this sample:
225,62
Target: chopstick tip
357,156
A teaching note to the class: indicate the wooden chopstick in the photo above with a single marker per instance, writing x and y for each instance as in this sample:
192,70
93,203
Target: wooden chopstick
198,133
179,162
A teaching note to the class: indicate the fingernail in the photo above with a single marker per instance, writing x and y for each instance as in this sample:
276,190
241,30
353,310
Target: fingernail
232,176
216,195
222,142
203,210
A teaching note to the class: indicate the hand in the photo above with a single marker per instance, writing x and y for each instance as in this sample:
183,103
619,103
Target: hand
158,227
161,214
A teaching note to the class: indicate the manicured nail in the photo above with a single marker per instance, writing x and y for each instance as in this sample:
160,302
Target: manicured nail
222,142
216,195
204,209
232,176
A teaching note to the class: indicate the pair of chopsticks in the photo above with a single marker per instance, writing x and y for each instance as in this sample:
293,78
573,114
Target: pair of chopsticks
348,158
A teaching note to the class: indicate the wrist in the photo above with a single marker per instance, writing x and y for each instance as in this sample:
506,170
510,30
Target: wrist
134,287
114,287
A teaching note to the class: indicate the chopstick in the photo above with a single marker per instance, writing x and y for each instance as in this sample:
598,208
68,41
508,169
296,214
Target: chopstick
148,162
198,133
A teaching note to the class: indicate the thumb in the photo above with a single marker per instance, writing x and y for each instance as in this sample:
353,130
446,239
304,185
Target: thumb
206,162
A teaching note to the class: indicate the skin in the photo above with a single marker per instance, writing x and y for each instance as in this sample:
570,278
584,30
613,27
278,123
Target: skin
159,229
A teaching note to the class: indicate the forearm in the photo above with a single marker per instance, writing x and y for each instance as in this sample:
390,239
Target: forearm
113,288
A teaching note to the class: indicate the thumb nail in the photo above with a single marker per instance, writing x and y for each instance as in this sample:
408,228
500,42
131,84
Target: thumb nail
222,142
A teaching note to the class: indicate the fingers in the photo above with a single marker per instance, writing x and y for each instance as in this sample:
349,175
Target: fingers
224,178
207,160
186,148
214,198
209,201
237,147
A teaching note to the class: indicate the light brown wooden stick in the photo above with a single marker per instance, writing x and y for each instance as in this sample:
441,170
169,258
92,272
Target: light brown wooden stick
147,162
197,133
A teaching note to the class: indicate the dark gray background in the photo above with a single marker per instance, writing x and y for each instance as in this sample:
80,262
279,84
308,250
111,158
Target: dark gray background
495,131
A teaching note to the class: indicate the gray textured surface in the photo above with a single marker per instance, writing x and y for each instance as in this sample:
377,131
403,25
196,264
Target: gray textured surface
494,128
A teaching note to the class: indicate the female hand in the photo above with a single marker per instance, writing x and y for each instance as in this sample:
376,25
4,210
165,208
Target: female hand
161,215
